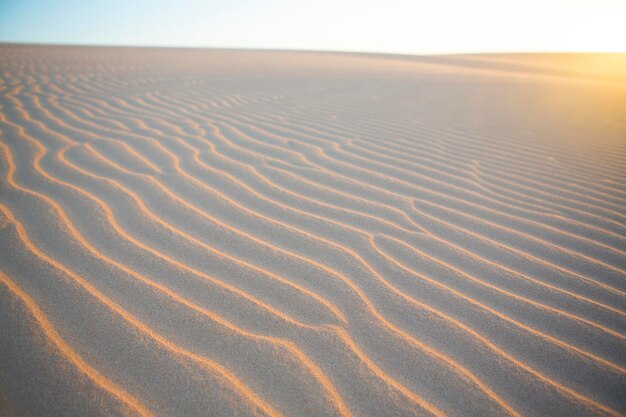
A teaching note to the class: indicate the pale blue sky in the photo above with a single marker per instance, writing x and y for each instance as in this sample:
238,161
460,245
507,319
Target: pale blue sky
395,26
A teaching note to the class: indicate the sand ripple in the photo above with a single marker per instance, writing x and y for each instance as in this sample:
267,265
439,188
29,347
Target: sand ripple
291,234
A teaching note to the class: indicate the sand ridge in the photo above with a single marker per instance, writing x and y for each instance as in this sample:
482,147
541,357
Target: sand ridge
191,232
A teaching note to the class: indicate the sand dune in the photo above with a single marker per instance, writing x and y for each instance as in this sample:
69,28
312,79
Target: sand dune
208,233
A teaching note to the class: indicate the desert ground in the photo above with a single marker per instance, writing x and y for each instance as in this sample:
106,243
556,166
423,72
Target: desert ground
232,233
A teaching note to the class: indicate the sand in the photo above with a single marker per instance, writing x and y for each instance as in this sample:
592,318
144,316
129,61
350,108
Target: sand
219,233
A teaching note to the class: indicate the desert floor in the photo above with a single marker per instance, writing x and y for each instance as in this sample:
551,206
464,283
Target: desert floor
216,233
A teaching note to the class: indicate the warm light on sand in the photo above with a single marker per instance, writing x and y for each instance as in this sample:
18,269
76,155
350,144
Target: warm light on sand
206,232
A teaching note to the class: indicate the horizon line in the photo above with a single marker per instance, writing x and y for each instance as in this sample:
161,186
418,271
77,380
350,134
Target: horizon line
337,51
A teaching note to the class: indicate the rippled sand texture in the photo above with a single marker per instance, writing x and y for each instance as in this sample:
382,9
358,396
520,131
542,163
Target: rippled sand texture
217,233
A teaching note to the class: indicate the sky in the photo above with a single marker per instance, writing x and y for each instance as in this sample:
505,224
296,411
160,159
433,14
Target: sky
391,26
